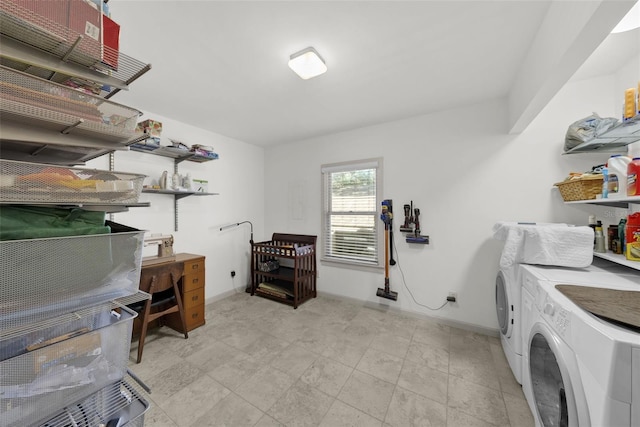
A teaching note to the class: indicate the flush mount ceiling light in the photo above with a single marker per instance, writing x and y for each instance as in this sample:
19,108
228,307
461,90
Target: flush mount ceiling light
307,63
630,21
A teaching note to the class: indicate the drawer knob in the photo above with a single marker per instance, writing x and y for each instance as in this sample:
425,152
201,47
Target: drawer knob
194,267
194,281
194,315
194,298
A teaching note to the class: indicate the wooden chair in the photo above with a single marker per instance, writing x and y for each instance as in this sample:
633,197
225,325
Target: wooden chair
161,281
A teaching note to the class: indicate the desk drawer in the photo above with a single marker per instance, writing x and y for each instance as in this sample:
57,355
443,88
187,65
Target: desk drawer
193,317
193,299
191,282
194,266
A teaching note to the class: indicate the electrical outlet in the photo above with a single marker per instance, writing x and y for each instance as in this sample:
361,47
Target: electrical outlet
233,273
452,297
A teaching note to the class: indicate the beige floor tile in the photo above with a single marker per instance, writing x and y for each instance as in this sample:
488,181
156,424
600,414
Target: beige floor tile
265,348
359,334
392,344
428,382
315,340
381,365
482,402
155,417
214,356
294,360
367,393
236,371
456,418
232,411
342,415
190,403
432,333
265,387
327,375
345,351
267,421
519,412
430,355
301,405
478,370
172,380
411,409
154,360
461,339
193,379
242,337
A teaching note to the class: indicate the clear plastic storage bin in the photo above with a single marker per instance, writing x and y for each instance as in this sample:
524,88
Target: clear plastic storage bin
55,366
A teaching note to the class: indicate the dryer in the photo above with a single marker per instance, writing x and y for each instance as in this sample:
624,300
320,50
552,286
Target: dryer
578,370
508,298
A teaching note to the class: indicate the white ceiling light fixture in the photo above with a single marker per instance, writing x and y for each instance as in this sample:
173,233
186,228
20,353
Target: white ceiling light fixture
307,63
630,21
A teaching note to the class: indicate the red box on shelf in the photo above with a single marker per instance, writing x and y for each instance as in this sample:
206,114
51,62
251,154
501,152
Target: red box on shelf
110,41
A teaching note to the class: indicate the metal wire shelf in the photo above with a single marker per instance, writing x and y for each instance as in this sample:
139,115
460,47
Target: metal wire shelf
60,52
121,401
35,101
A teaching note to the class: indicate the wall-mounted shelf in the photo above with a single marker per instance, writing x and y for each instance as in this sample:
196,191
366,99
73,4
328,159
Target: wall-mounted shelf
178,194
622,202
618,259
612,140
47,49
177,154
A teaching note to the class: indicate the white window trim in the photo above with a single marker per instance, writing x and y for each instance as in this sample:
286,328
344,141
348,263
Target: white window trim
344,166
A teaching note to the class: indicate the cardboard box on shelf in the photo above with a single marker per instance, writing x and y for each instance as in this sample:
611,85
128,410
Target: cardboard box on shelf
67,351
151,127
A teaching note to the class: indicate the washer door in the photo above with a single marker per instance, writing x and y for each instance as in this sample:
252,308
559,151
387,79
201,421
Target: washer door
503,308
552,392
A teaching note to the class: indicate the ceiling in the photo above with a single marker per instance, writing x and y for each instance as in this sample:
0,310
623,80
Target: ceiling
222,65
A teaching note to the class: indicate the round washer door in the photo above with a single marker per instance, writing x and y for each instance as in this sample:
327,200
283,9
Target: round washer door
552,390
502,305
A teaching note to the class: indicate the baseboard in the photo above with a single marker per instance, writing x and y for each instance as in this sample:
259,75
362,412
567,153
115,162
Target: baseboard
223,295
416,315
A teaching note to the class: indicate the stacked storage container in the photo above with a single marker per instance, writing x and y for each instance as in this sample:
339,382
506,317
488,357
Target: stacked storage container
64,333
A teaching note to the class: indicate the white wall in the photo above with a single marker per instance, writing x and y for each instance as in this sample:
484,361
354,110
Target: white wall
464,172
237,176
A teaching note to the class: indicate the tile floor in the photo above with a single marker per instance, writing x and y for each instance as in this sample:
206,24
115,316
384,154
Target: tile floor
329,363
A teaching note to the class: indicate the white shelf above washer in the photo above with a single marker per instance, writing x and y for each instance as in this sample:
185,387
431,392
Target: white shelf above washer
618,259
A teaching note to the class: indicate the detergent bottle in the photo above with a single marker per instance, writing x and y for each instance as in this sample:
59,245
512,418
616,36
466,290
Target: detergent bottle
617,167
633,173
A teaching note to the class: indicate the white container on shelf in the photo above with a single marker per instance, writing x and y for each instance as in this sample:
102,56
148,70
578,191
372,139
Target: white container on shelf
617,166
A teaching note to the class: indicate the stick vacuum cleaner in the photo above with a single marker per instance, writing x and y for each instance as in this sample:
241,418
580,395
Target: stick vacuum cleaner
387,217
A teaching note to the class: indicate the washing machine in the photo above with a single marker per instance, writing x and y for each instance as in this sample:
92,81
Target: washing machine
525,243
508,300
578,369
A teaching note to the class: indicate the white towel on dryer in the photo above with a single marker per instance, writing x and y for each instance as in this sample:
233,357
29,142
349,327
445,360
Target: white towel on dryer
544,244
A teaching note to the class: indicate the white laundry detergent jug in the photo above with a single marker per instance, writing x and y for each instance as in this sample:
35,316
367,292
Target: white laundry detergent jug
617,166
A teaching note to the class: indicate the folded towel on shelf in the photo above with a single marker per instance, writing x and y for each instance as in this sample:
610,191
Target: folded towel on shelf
544,244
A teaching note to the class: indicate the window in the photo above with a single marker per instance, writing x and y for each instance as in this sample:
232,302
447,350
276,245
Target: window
351,228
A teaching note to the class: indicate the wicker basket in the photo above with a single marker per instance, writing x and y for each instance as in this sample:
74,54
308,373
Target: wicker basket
585,188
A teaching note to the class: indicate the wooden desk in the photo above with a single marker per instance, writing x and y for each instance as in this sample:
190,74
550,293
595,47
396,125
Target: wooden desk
191,288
